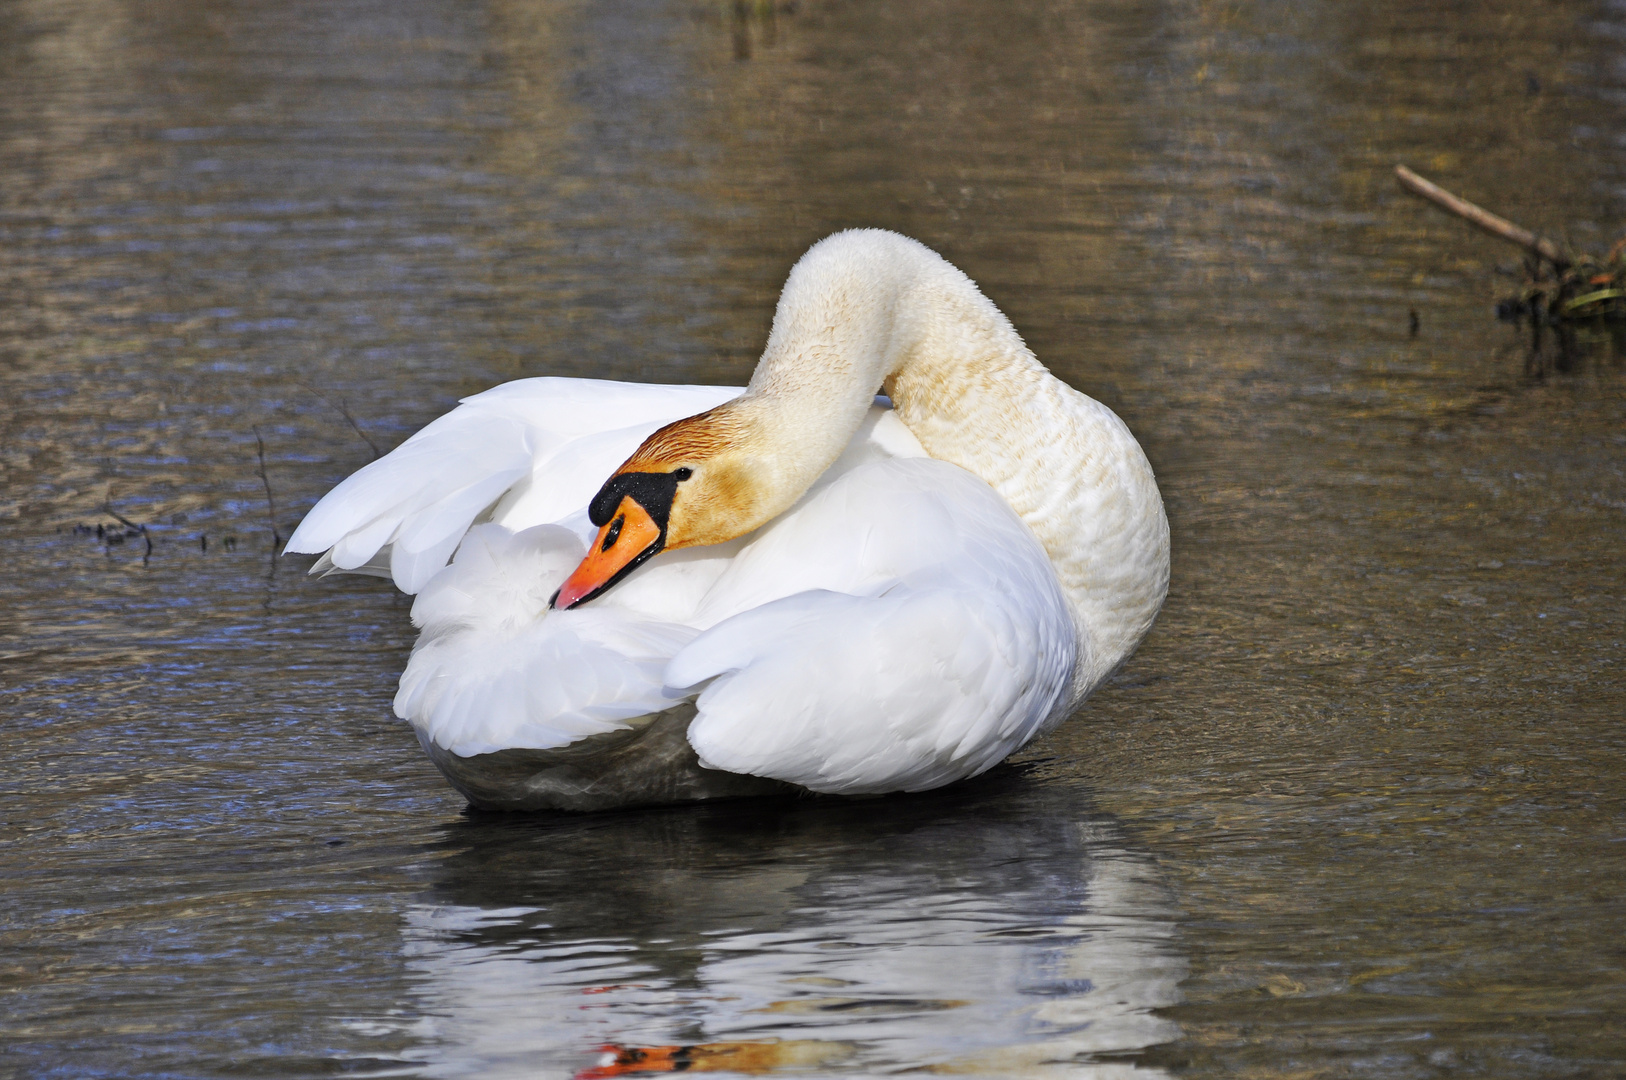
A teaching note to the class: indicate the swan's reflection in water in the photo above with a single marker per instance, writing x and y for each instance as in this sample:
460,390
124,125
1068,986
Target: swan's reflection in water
995,929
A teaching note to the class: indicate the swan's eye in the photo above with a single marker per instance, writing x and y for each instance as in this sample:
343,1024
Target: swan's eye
613,535
683,473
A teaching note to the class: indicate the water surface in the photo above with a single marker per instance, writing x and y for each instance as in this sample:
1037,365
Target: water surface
1356,807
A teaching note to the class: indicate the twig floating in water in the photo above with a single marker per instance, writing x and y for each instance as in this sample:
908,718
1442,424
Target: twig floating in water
343,410
1496,226
270,504
128,524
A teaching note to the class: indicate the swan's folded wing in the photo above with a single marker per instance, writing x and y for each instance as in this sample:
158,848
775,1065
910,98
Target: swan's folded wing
897,630
495,669
529,452
865,694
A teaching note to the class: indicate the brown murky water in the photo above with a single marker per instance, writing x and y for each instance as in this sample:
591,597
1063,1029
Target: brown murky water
1356,809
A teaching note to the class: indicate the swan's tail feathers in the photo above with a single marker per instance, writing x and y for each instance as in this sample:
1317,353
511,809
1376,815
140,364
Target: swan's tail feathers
867,694
494,668
524,453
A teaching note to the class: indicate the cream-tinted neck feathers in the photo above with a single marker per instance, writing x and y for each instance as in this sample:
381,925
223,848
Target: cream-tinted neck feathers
869,310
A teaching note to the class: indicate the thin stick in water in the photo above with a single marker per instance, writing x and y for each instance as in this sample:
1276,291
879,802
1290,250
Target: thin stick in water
1484,219
270,503
142,529
343,410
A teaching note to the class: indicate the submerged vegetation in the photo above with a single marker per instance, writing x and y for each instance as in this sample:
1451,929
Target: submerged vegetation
1578,296
1586,289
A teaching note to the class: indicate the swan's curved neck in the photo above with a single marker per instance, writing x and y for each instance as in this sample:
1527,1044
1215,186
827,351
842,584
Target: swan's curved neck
867,310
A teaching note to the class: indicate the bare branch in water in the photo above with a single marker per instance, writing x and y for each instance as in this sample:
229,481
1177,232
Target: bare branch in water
1477,215
270,503
128,524
343,410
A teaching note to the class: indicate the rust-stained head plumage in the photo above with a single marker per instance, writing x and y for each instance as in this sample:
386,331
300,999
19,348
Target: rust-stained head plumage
725,496
686,441
693,482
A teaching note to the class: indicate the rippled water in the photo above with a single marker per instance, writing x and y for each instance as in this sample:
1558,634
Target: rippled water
1356,808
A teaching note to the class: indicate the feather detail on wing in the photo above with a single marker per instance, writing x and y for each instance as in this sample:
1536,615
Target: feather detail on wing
526,453
495,668
920,649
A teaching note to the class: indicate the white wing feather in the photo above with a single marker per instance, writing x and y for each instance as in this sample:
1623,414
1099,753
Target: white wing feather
532,451
922,646
494,668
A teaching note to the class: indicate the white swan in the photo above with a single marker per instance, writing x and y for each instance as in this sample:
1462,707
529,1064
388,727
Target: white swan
796,583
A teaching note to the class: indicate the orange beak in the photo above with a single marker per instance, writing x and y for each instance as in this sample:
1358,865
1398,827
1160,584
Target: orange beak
625,541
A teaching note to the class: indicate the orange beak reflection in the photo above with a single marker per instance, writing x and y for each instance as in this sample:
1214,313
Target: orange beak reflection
750,1058
630,537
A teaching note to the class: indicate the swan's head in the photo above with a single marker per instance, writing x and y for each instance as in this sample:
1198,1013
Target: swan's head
697,481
